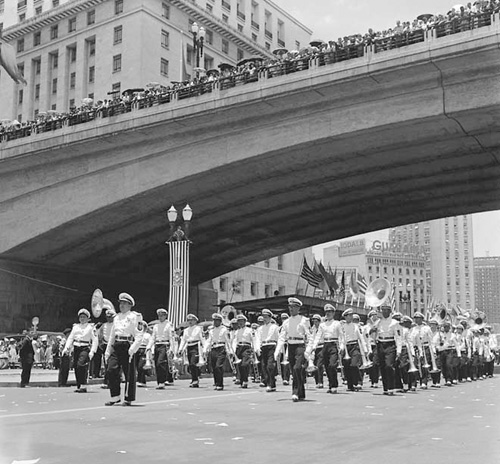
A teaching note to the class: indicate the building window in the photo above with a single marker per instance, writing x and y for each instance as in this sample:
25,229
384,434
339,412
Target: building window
254,289
20,97
37,38
209,7
116,88
223,284
165,10
254,37
54,85
72,25
72,54
189,54
38,10
22,17
280,263
91,17
209,36
92,74
92,47
165,39
20,45
37,66
72,80
225,18
268,46
55,3
267,290
164,67
225,46
240,28
117,63
54,31
55,60
239,54
118,6
37,91
117,35
267,263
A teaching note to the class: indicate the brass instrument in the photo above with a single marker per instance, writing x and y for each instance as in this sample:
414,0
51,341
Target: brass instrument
310,364
378,292
201,357
148,365
367,364
285,355
346,354
97,303
435,369
426,364
170,359
35,321
412,368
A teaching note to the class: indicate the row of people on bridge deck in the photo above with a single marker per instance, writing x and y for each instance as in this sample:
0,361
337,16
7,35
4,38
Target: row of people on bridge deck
403,352
459,18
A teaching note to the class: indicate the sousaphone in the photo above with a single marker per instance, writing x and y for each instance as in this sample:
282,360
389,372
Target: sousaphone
378,292
96,303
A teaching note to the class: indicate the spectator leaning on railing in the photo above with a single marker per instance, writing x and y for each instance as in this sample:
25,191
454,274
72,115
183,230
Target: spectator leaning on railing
458,19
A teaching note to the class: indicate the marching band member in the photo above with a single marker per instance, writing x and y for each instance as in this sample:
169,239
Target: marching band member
318,352
407,350
104,333
492,347
83,339
243,347
284,364
353,343
434,346
124,342
331,335
219,344
449,354
424,334
162,346
193,341
369,333
65,361
233,328
388,348
266,339
294,331
143,354
461,342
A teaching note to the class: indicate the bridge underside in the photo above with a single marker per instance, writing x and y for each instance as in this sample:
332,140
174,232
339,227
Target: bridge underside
332,160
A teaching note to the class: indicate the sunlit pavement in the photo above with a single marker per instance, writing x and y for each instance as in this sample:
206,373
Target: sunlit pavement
459,424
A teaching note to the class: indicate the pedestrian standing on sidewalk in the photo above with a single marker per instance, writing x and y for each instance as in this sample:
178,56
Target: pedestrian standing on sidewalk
27,356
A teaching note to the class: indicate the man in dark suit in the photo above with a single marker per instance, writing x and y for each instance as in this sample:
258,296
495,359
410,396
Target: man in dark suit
27,356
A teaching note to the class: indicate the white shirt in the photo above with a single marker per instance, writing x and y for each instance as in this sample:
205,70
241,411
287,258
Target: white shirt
294,331
266,333
218,335
192,334
125,325
162,332
243,335
389,329
84,334
105,331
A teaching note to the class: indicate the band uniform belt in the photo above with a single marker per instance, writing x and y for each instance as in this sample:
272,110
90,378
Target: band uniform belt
122,338
352,343
296,338
162,343
385,340
218,345
425,344
297,343
320,346
330,340
193,343
82,343
244,344
269,343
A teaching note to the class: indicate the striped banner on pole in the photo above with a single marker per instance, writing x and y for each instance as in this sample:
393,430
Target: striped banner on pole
179,281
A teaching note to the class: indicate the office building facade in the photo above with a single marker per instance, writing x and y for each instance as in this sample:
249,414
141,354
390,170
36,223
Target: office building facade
69,50
487,287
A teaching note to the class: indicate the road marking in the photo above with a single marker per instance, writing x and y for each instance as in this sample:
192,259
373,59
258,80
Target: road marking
95,408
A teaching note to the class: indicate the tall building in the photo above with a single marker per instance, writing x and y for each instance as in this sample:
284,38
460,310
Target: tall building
73,49
275,276
487,287
448,249
402,265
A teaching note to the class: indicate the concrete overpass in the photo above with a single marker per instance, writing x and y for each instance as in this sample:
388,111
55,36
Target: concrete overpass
391,138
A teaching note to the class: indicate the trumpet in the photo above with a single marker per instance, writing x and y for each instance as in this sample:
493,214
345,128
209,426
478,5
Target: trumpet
148,365
426,364
367,364
201,357
410,358
435,369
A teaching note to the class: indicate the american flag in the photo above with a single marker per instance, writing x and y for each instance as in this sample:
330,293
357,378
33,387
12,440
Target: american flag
179,281
392,299
312,278
361,284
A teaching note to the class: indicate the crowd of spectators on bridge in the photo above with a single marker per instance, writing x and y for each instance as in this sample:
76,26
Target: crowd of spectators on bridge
459,19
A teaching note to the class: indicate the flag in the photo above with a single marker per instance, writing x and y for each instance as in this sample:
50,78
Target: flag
334,283
9,63
392,298
342,288
353,286
179,281
323,285
309,275
362,285
329,278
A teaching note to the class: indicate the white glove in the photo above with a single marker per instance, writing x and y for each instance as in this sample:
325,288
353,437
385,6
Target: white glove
257,353
130,352
91,355
276,356
106,357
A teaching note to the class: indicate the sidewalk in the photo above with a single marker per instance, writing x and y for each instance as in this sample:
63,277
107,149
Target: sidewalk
39,378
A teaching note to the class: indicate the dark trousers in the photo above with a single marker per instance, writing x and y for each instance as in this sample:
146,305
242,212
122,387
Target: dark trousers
26,366
449,364
163,373
193,356
318,362
119,360
297,365
386,353
436,376
244,353
331,361
96,363
374,371
103,350
62,379
351,366
81,364
402,376
462,366
268,365
217,359
140,362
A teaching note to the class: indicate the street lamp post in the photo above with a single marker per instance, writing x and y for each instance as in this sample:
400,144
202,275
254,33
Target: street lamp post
198,41
178,244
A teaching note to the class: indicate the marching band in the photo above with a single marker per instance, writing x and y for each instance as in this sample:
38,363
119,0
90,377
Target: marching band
405,353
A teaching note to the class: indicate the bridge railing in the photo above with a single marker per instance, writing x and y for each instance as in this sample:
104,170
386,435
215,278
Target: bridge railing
326,57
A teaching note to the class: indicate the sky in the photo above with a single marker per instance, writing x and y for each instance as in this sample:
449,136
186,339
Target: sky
330,19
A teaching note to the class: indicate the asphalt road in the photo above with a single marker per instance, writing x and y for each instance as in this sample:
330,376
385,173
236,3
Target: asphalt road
459,424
